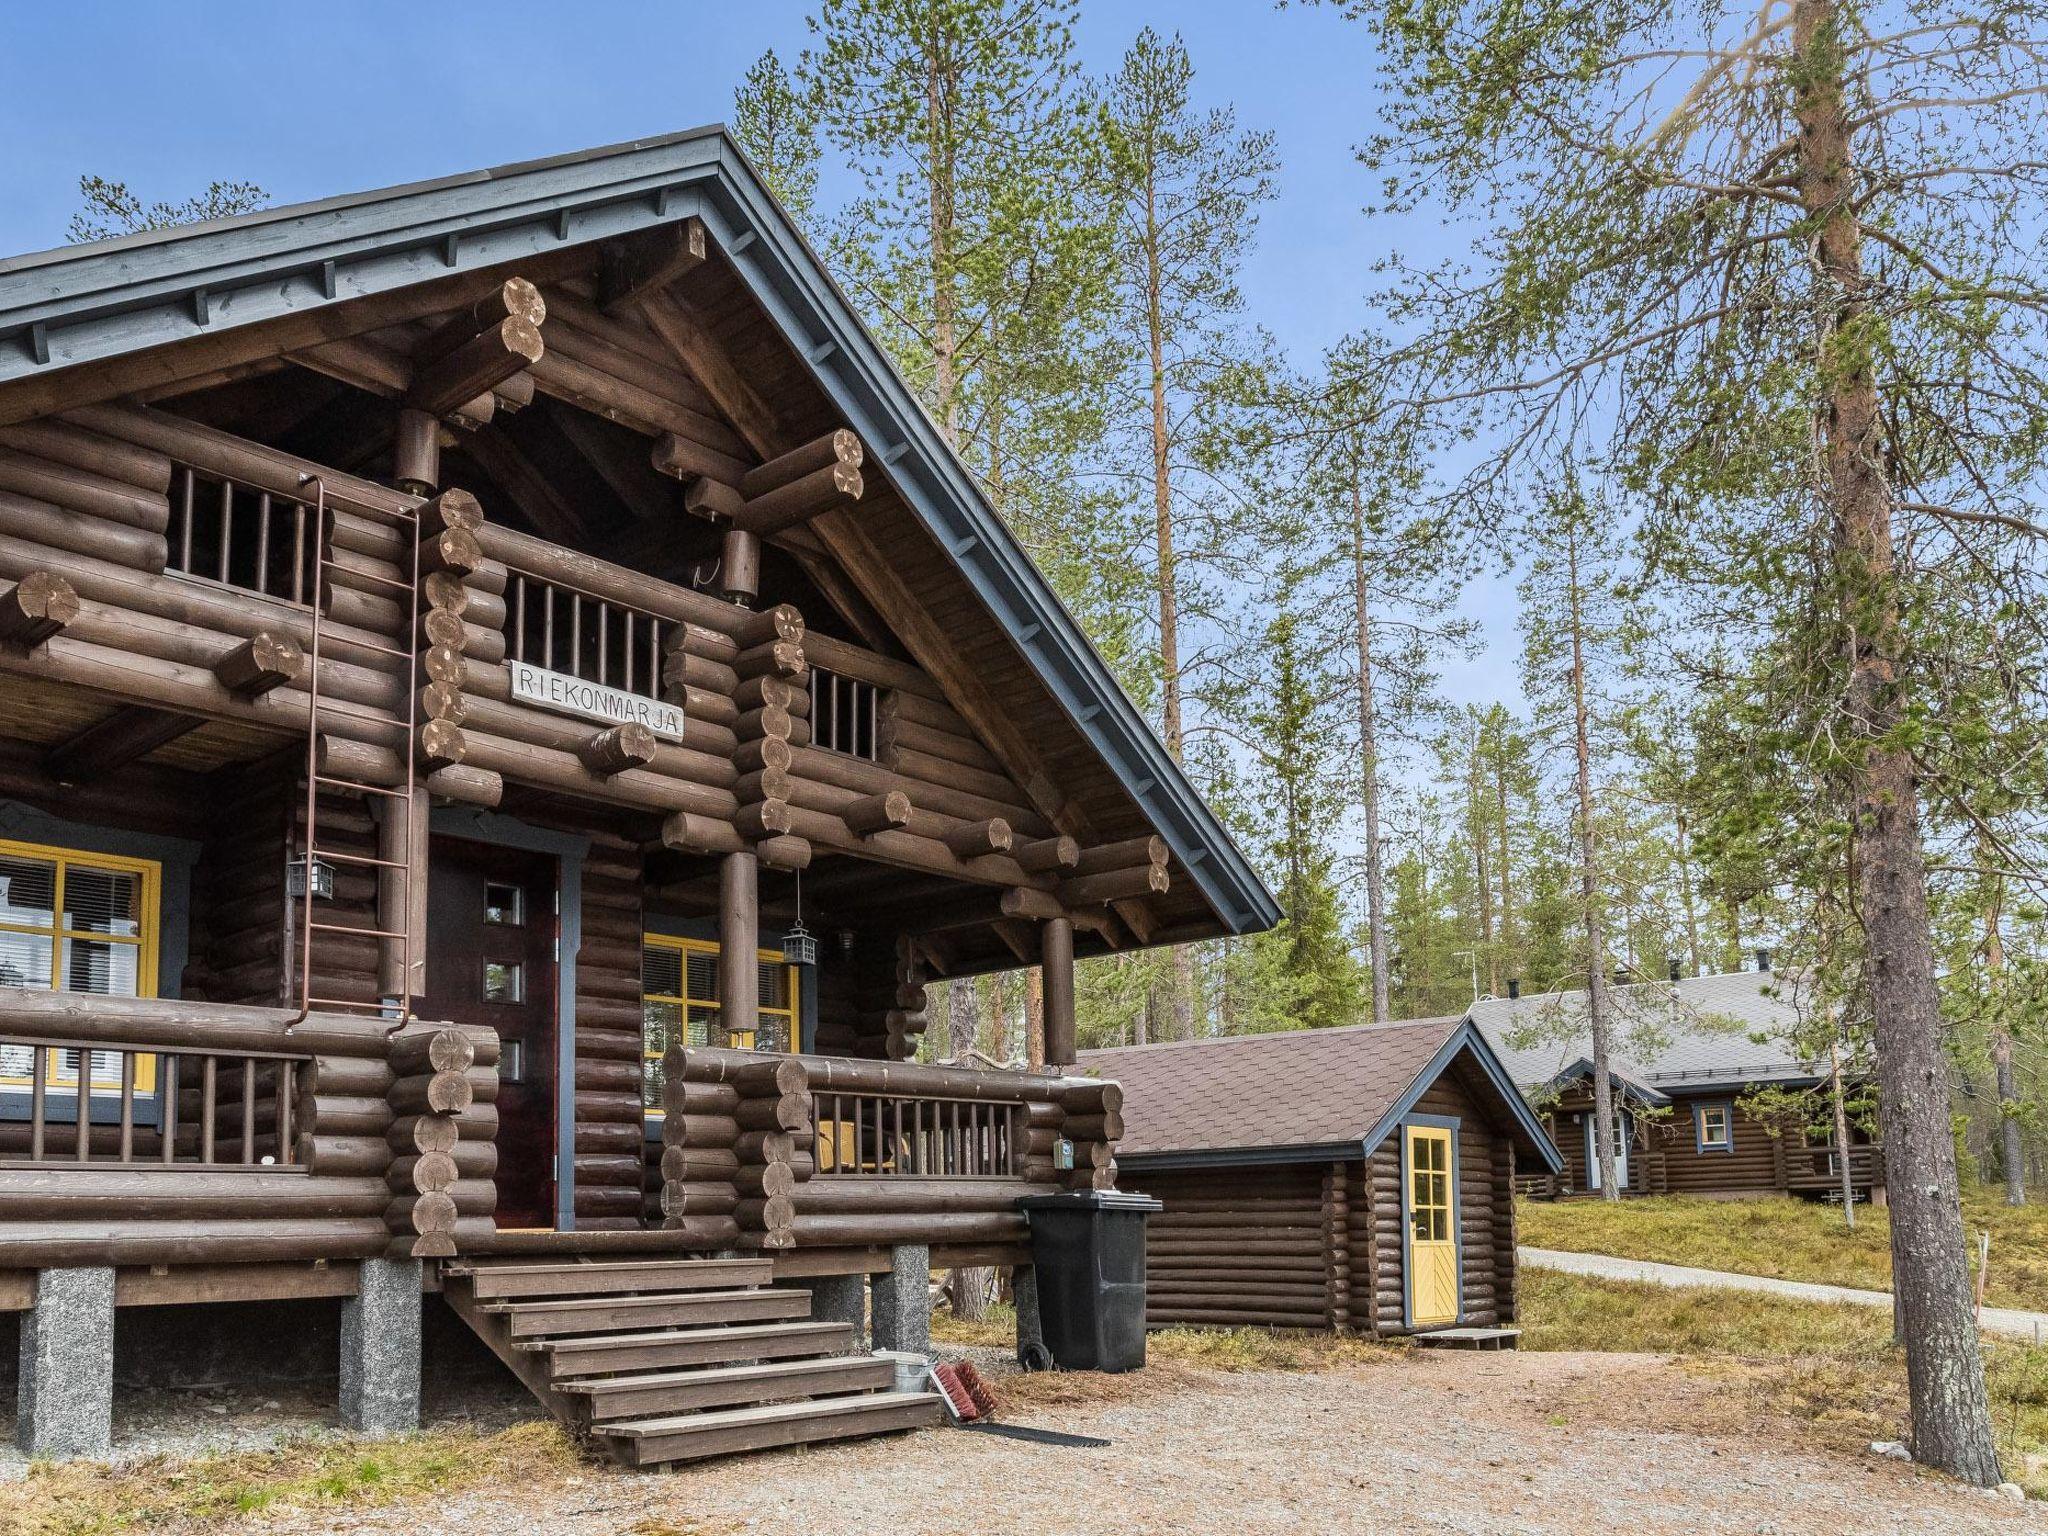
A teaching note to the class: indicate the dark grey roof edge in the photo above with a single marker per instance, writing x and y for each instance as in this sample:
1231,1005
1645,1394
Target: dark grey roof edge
144,290
1469,1037
1242,1157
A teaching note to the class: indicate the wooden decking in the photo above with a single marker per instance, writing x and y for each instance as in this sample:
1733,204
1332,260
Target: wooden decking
664,1360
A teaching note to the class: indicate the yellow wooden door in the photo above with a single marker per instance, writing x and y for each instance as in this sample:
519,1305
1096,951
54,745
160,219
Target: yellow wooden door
1432,1228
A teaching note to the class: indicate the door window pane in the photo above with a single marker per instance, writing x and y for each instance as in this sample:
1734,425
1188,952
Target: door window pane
504,982
504,905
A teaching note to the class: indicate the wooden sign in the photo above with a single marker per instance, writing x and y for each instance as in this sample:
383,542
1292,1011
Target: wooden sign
594,701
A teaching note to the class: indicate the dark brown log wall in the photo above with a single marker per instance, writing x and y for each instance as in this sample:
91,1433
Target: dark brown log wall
1237,1246
612,1153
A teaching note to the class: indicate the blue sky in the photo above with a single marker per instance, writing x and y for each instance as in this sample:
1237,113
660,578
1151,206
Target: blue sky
308,101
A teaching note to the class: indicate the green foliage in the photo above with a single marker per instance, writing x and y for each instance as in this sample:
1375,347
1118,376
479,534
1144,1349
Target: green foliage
110,209
775,121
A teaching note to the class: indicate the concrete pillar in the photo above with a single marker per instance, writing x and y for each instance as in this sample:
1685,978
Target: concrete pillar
903,1301
380,1348
1031,1351
66,1384
841,1299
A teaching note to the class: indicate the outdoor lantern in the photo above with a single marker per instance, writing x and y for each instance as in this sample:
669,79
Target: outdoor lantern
322,882
798,946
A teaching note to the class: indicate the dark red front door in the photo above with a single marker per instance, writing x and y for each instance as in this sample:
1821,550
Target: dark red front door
491,927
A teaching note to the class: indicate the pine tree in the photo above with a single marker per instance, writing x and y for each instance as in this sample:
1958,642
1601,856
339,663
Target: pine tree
110,209
775,120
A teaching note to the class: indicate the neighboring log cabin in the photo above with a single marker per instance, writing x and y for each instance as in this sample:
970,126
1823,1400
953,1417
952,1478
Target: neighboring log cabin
1688,1054
506,703
1358,1179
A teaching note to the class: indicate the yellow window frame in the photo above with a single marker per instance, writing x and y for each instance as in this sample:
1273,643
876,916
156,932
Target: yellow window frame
150,873
792,1015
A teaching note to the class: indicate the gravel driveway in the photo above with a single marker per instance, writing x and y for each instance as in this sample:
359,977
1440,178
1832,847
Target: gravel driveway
1432,1441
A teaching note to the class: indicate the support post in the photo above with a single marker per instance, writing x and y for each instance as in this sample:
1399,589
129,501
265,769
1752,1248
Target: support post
416,457
1056,951
740,566
739,941
65,1389
903,1301
841,1299
380,1348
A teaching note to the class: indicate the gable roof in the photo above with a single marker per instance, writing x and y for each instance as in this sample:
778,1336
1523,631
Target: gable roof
1700,1033
1306,1095
79,307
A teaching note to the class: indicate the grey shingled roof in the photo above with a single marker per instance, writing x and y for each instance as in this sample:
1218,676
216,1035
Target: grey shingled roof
83,304
1304,1095
1700,1032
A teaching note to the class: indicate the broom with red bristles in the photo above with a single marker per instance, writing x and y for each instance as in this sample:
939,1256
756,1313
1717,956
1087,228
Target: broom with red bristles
966,1394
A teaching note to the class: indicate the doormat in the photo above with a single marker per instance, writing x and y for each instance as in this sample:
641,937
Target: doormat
1035,1436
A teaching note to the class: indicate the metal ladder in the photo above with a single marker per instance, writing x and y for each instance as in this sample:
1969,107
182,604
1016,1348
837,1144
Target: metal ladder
394,874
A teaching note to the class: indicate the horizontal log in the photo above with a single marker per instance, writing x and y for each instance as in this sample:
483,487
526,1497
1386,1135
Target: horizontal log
60,442
83,492
37,607
136,1242
889,1230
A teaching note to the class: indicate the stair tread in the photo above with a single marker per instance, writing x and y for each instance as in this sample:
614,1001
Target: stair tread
858,1403
584,1267
727,1333
774,1370
555,1306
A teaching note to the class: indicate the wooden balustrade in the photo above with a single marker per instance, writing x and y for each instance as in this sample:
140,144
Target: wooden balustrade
560,627
1817,1168
898,1136
240,535
140,1106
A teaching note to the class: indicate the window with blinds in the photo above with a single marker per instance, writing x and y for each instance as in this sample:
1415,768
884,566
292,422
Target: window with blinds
76,922
679,1004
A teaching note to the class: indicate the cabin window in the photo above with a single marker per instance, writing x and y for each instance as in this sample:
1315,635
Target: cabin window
1713,1127
679,1004
234,534
76,922
843,714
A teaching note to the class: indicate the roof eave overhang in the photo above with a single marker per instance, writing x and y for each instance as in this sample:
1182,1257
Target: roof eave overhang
69,308
1241,1157
1467,1036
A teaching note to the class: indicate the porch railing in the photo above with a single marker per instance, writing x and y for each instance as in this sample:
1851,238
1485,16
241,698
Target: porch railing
893,1136
770,1152
1819,1168
558,627
63,1104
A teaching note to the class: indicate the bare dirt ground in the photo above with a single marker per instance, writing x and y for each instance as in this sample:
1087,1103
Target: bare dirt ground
1427,1441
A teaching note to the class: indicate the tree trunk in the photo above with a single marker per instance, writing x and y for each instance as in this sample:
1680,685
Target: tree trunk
1162,490
1034,1017
1475,790
1944,1370
2011,1149
1842,1134
1507,895
1589,888
1369,771
945,330
963,1017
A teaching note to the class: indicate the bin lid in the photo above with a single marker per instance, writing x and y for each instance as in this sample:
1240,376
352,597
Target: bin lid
1091,1200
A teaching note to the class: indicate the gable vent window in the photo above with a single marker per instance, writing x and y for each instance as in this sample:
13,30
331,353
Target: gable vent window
223,531
843,712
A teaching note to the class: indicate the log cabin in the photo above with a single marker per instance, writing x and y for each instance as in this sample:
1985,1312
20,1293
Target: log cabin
506,703
1355,1180
1688,1054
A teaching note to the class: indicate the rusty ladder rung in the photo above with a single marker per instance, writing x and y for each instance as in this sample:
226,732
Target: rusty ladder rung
406,522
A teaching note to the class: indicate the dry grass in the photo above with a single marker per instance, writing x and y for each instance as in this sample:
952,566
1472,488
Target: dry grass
323,1472
1789,1239
1833,1367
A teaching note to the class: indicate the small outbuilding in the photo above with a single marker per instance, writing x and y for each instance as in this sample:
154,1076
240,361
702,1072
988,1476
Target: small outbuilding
1356,1180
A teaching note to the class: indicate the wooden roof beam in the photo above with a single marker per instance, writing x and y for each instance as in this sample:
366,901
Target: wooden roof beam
685,334
131,732
533,493
631,268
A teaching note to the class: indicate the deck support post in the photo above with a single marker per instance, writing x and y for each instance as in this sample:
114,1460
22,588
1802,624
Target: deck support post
739,943
842,1299
1031,1351
65,1387
1056,959
903,1301
380,1348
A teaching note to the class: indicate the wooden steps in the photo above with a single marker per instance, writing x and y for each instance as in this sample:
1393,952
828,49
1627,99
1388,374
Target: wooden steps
1469,1338
665,1360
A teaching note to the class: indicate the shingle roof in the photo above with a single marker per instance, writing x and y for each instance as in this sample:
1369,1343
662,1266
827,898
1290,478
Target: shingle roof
1677,1036
1326,1091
